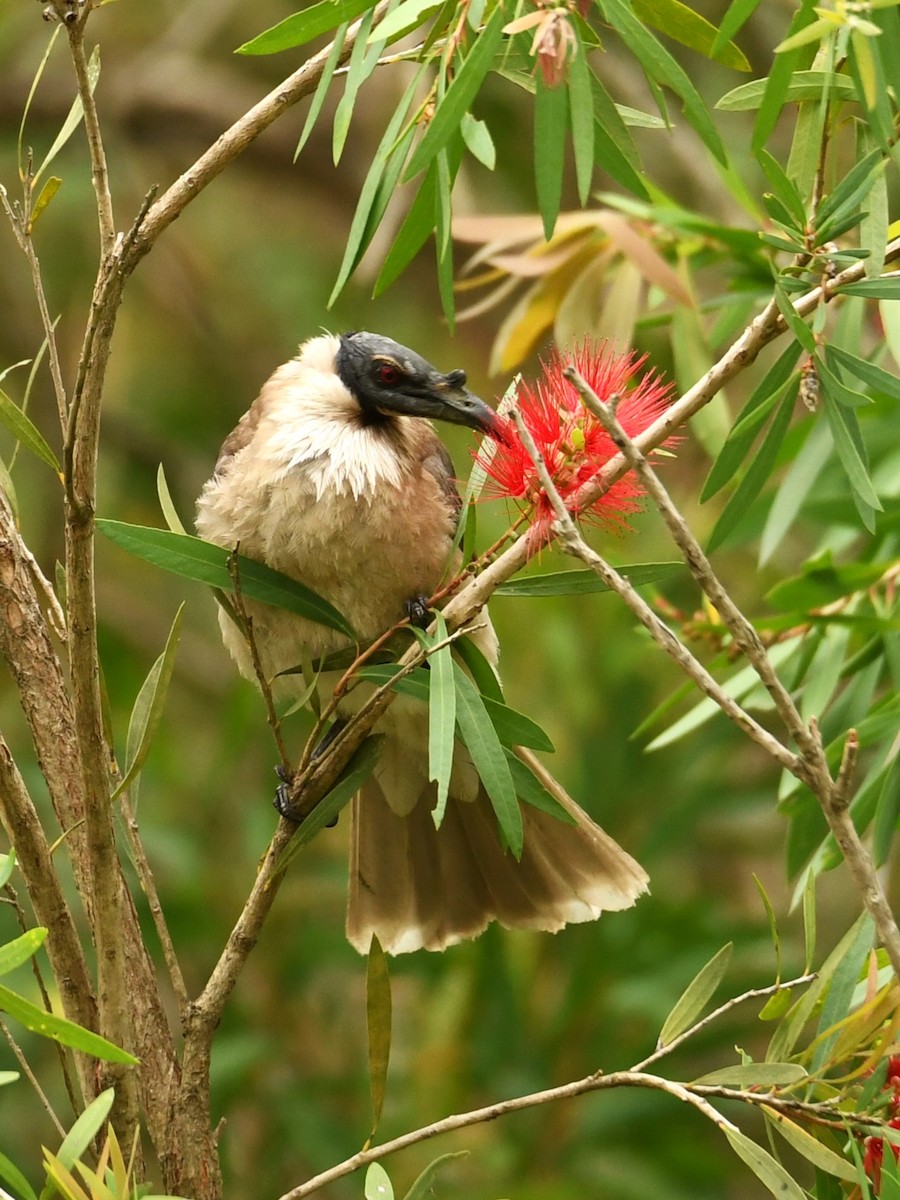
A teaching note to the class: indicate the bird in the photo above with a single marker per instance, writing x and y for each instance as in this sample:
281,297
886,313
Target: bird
336,477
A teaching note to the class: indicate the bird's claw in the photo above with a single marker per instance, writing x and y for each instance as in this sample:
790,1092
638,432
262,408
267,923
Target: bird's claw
282,800
418,611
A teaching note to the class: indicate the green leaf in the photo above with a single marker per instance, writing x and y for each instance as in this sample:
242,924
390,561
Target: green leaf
795,488
460,94
359,68
769,1172
773,926
840,993
148,707
25,432
421,1188
886,814
169,512
61,1030
809,923
737,686
885,288
325,81
695,996
850,449
379,185
817,31
661,68
479,668
755,1075
810,1147
11,1174
8,1077
302,27
86,1128
484,746
478,141
581,119
47,192
849,193
378,1025
760,470
736,16
378,1185
405,18
752,416
354,775
794,321
203,562
681,23
784,188
414,232
821,582
441,719
776,87
802,85
876,377
75,115
20,949
7,866
584,582
551,118
613,144
530,789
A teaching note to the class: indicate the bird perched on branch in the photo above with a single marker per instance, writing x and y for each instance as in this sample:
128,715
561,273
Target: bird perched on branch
337,478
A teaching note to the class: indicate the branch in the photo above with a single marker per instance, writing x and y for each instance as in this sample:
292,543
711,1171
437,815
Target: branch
592,1083
99,173
235,140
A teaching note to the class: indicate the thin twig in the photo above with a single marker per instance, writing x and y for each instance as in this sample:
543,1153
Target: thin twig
753,994
99,172
574,543
32,1078
592,1083
148,886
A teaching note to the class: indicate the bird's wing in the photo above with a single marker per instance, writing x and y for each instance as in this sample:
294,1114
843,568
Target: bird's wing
240,436
438,463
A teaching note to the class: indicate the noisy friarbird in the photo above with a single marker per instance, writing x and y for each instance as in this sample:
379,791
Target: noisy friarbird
337,478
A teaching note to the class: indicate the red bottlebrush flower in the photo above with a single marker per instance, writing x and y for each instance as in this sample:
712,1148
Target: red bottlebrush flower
573,443
874,1155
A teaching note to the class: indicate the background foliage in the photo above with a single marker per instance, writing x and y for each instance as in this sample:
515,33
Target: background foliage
244,275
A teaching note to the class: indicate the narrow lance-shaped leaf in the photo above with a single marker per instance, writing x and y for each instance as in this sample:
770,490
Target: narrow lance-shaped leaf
325,82
148,707
192,558
441,719
779,78
695,996
746,428
810,1147
460,94
840,992
768,1171
850,450
61,1030
11,1174
736,15
404,18
86,1128
361,64
773,926
422,1188
753,1075
7,866
373,195
46,194
867,372
681,23
490,761
169,512
661,68
378,1025
581,119
302,27
24,431
20,949
551,118
585,582
73,120
760,470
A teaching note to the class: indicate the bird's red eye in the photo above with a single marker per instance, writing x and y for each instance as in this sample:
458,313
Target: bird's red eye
388,374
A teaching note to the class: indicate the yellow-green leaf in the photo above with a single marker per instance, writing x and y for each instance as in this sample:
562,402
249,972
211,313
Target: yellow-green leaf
378,1025
694,997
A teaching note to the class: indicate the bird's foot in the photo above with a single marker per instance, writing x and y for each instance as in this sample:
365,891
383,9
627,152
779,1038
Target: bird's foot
418,611
282,800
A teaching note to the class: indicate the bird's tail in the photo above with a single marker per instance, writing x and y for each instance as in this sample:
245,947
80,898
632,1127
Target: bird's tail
418,887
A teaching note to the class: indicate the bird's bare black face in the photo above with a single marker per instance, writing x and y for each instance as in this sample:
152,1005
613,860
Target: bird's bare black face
388,378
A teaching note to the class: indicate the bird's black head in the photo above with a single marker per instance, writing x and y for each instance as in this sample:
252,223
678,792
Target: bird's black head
387,378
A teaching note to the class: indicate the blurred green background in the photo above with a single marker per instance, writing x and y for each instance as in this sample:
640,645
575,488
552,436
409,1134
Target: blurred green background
234,285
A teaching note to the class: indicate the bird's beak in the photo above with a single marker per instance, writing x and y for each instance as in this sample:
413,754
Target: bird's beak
459,406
